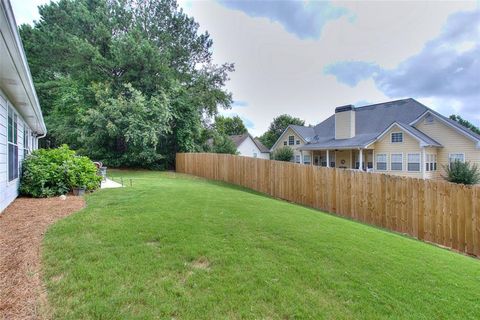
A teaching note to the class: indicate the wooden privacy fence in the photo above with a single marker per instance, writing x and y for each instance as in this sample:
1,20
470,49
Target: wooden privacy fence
431,210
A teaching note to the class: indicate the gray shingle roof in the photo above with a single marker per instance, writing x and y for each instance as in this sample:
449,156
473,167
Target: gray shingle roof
260,146
370,122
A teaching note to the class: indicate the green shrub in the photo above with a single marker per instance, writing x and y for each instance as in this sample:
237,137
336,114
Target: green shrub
462,172
52,172
283,154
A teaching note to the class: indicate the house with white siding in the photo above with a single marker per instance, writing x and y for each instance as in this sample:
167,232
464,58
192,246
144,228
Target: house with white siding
249,146
402,137
21,120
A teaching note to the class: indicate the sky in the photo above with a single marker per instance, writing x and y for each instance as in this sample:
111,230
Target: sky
305,58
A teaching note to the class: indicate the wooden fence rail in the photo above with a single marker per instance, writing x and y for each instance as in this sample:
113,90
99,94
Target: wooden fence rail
431,210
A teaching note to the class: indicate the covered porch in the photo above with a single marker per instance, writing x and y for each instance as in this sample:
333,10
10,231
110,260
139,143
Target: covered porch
361,159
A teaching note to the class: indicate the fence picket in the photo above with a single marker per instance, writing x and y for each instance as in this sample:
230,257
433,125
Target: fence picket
436,211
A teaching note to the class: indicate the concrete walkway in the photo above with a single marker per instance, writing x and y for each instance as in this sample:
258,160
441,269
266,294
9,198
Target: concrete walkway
107,184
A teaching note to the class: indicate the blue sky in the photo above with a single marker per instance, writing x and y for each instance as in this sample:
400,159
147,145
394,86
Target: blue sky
307,57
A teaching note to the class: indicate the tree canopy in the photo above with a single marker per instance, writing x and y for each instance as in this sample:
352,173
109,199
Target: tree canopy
277,127
128,82
229,126
465,123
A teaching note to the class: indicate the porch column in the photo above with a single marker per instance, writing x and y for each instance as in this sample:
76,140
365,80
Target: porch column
328,158
422,163
360,159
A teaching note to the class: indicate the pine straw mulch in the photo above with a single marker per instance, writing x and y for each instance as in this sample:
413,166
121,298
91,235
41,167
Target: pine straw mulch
22,226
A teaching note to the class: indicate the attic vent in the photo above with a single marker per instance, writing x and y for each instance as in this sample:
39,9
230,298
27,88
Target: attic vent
429,119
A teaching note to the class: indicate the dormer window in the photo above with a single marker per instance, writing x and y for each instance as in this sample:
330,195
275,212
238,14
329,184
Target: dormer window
291,140
397,137
297,142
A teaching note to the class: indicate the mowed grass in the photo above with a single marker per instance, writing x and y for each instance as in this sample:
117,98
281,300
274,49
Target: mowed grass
178,247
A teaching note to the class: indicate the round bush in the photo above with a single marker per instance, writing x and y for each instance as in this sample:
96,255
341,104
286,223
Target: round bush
53,172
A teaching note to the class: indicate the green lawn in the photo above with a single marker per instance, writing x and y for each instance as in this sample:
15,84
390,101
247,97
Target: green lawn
177,247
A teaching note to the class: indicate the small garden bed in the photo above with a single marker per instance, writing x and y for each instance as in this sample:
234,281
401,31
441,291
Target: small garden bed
22,226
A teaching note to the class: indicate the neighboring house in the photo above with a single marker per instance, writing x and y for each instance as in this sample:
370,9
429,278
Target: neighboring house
21,121
250,147
401,137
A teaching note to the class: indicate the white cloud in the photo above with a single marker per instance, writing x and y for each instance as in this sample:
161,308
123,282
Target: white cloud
277,72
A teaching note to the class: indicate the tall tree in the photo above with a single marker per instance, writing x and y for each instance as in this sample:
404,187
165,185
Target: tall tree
465,123
229,126
148,53
277,127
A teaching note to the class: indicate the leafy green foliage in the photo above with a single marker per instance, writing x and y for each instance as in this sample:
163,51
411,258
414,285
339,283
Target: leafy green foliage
52,172
465,123
462,172
220,143
229,126
95,61
283,154
277,127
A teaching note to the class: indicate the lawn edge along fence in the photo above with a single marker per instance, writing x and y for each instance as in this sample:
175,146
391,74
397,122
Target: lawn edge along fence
431,210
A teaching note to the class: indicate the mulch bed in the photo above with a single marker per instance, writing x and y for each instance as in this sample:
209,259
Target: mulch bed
22,226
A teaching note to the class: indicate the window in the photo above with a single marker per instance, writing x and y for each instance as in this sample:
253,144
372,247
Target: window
307,159
332,160
26,140
381,161
254,154
12,145
285,142
291,140
297,159
431,163
297,142
397,137
396,162
413,162
452,157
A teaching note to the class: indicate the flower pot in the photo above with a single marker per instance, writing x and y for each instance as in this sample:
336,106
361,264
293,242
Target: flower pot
79,191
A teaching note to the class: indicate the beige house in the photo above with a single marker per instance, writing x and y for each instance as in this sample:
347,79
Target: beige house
401,137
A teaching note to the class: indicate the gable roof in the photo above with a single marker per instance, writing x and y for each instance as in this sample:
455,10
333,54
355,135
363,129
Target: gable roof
240,138
424,140
373,120
260,146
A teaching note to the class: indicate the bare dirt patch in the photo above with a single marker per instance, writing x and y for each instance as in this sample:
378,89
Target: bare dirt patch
201,263
22,226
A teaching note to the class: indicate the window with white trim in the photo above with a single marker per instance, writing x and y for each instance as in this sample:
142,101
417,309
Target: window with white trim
297,142
381,161
396,162
397,137
26,140
431,162
452,157
285,142
12,145
307,159
332,159
413,162
297,158
254,154
291,140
